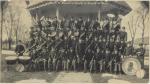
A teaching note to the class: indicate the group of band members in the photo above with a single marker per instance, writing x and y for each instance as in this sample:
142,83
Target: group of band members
84,46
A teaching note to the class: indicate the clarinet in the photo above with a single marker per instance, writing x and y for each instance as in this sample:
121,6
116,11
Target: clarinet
89,46
31,48
39,47
35,45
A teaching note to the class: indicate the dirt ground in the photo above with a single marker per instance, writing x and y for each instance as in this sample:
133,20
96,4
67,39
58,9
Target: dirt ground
12,77
67,77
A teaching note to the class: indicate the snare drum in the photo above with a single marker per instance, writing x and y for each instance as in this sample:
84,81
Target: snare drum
24,59
10,60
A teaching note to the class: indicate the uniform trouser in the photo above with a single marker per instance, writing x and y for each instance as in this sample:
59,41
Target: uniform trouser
93,65
78,64
37,64
74,64
100,66
57,65
110,67
141,59
68,64
54,64
64,64
44,61
32,65
49,64
117,67
41,63
85,65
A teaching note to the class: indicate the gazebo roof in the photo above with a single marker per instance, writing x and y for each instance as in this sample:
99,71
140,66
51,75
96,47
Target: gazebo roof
120,6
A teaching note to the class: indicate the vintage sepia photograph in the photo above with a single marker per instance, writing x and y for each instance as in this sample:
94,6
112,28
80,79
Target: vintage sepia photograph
74,41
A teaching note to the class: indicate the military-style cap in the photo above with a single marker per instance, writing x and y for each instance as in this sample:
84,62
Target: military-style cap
69,33
60,34
76,33
53,33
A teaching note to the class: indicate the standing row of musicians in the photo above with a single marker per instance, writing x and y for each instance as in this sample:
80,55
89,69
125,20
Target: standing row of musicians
79,24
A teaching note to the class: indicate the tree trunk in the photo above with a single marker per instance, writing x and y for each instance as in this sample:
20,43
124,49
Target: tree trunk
2,10
9,43
16,37
1,27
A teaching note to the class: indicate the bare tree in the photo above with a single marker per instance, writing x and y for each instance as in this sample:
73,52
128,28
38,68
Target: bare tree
16,29
133,29
144,23
11,16
3,5
12,20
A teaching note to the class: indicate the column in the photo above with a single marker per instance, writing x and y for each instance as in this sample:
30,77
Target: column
57,12
99,14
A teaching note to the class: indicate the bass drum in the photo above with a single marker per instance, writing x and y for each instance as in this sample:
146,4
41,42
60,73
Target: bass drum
10,60
24,60
131,65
